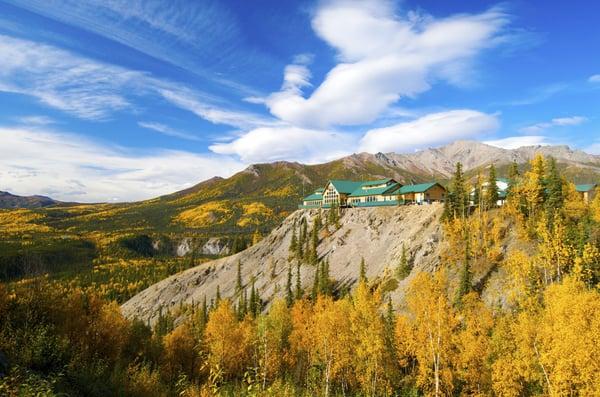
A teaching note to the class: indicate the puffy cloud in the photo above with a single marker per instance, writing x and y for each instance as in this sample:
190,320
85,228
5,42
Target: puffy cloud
594,79
515,142
288,143
556,122
431,129
70,168
383,57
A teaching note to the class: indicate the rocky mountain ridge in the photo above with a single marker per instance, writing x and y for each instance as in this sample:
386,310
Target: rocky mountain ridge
375,234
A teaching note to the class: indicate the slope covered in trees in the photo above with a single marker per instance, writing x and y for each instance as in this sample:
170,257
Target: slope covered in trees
543,338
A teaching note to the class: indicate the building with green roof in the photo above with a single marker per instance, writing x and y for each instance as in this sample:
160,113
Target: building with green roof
380,192
587,191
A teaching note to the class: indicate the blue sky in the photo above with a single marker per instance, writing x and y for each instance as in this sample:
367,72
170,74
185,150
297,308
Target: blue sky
118,100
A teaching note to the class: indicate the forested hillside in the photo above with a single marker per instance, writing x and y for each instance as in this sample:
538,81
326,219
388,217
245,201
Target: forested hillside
540,335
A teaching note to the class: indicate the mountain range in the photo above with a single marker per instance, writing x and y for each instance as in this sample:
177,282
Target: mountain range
262,195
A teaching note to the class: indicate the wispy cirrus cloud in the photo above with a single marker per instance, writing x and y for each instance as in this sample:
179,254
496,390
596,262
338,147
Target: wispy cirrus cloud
94,90
71,168
594,78
166,130
556,122
383,57
169,31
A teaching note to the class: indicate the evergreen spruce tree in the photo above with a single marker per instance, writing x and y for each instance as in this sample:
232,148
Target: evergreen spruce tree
293,250
315,288
238,285
254,300
363,271
403,267
554,188
459,196
203,313
256,237
324,282
315,243
464,286
491,191
218,297
478,191
289,296
299,291
513,174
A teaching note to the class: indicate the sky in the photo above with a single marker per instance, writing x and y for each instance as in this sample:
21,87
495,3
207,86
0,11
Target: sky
123,100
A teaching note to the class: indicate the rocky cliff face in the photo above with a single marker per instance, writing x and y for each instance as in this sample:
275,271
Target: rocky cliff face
375,234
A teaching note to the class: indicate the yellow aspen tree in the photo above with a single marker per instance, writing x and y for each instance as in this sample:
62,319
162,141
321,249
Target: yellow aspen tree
301,341
574,207
331,349
555,254
434,322
370,349
569,339
180,355
587,265
229,342
273,330
473,344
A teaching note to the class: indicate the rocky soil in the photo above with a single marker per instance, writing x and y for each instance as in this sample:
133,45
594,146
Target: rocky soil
375,234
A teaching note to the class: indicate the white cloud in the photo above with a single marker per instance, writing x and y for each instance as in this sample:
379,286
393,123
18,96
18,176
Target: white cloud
288,143
515,142
594,79
383,57
35,120
556,122
94,90
166,130
70,168
594,148
432,129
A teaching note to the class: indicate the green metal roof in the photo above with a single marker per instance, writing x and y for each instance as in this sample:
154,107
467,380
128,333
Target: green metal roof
586,187
315,196
377,182
320,190
360,192
419,188
345,187
505,180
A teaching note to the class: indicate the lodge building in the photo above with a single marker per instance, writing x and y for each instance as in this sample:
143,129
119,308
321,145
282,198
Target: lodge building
381,192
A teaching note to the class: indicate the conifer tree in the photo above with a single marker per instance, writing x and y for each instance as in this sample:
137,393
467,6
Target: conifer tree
554,188
324,282
256,237
254,300
403,269
363,271
293,250
513,174
315,288
315,243
459,196
492,189
218,296
203,313
289,296
299,291
464,286
238,285
478,191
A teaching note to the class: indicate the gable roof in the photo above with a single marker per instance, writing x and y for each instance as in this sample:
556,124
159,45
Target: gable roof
360,192
377,182
344,186
586,187
419,188
315,196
